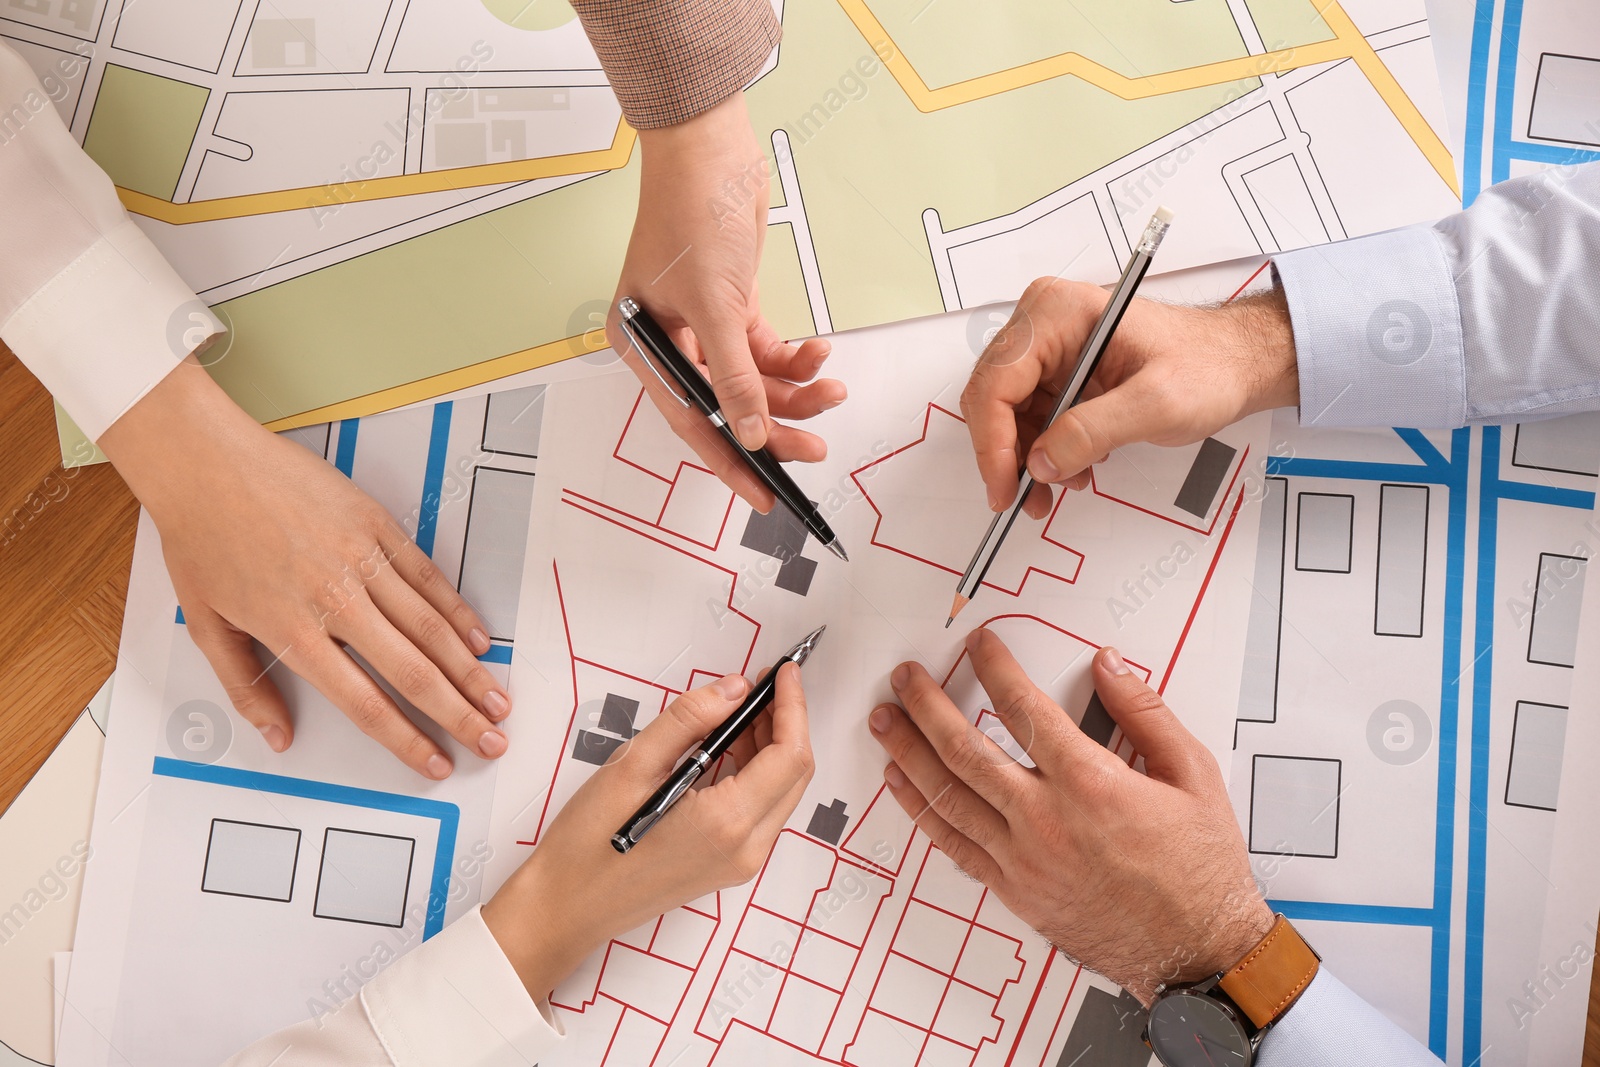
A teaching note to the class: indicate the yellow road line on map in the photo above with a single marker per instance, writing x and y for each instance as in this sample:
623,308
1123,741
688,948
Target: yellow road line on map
438,384
1348,43
1388,87
336,194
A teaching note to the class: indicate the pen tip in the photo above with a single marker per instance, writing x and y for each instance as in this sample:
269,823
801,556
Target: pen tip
837,548
948,621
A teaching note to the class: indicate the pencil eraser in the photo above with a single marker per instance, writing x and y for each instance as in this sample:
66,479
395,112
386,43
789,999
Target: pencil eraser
1163,214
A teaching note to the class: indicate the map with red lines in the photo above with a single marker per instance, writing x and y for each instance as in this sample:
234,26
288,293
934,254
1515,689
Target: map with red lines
857,943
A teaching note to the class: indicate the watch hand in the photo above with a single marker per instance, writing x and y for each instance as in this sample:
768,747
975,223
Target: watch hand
1202,1042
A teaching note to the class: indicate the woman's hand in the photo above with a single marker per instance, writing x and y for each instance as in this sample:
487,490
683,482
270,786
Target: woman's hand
267,542
545,917
692,264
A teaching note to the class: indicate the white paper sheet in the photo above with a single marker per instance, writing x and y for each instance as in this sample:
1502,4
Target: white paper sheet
645,577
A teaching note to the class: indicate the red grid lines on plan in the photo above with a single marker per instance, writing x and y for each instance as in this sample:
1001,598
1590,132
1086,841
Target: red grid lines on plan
859,945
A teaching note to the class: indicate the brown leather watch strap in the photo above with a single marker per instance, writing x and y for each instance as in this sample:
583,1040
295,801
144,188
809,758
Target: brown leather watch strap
1271,977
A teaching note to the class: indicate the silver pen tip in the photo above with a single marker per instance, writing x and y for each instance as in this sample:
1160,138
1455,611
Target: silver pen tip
836,546
628,307
802,652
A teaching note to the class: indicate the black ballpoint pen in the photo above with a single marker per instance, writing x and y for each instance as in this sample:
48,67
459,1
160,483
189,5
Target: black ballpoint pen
711,749
658,351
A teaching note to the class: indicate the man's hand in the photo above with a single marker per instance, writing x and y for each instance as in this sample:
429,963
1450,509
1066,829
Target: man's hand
575,892
1143,878
692,264
265,540
1170,376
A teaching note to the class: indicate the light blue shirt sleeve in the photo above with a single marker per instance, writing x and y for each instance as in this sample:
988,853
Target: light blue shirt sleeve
1490,315
1329,1026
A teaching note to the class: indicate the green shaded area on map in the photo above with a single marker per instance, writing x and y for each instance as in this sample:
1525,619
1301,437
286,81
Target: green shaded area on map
142,128
869,164
1286,23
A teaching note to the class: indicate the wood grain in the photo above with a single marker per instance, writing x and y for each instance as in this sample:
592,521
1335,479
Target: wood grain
66,544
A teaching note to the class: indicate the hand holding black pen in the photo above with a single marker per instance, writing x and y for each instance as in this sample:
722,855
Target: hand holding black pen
716,744
658,351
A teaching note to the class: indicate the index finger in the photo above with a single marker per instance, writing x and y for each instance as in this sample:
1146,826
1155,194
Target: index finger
1005,378
1033,720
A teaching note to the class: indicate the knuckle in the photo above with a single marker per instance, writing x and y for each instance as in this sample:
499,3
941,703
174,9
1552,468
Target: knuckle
426,578
962,753
804,761
431,629
243,696
369,711
1145,701
1039,288
413,676
477,679
1020,705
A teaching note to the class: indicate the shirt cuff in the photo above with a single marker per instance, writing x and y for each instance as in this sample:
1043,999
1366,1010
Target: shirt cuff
457,999
1377,332
669,60
1329,1026
104,331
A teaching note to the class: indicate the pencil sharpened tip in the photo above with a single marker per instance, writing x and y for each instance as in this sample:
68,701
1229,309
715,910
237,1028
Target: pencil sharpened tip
955,608
837,548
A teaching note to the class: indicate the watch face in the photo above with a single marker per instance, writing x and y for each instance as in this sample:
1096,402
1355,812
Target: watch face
1189,1029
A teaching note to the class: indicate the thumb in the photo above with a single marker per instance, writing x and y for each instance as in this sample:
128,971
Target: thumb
1087,431
232,655
1171,753
683,724
725,343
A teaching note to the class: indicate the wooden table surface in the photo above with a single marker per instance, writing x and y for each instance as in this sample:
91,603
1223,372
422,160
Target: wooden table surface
66,544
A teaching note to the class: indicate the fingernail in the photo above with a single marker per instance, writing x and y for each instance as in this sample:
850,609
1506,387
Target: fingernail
1111,660
438,767
1042,469
495,705
492,744
995,503
830,405
879,720
752,431
732,687
274,738
893,775
478,641
974,639
901,675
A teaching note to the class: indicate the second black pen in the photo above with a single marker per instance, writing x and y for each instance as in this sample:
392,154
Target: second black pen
659,352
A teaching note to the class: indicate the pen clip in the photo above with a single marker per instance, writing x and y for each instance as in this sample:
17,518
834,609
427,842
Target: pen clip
627,328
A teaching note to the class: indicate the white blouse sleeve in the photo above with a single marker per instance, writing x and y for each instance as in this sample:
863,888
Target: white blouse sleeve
86,301
453,999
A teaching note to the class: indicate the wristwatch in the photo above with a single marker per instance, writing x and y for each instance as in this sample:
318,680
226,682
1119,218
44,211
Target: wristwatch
1220,1022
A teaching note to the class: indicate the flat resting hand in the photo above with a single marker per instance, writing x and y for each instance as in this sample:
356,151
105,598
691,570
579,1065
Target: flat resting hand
266,541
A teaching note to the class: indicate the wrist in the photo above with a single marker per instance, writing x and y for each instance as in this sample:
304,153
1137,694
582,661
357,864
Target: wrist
543,944
160,444
723,121
1261,339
